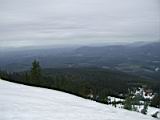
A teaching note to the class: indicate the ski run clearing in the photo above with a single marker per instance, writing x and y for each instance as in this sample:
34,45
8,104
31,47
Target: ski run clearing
20,102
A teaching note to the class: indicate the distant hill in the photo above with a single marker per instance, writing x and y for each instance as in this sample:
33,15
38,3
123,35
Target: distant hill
141,59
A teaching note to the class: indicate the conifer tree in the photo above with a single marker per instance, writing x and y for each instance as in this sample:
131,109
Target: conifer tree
145,108
35,72
128,103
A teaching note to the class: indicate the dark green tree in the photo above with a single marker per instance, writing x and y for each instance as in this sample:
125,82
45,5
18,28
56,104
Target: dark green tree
128,103
114,103
145,108
156,101
26,75
36,72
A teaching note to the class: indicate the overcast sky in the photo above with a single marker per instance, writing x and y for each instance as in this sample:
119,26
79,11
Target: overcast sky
59,22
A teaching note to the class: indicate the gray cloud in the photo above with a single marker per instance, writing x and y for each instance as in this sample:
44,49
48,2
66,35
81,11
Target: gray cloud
46,22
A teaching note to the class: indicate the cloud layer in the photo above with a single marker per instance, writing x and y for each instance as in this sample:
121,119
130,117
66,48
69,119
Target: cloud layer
52,22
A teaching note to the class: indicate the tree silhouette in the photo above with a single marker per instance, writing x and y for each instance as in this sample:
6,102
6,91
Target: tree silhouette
35,72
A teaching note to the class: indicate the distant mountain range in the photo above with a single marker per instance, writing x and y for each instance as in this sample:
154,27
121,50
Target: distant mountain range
142,59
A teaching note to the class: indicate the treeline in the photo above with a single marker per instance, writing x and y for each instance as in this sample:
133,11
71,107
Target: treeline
93,83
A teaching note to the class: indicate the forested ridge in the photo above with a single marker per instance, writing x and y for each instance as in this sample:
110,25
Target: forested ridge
83,82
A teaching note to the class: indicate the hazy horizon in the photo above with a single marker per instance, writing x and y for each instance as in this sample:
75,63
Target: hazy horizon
36,23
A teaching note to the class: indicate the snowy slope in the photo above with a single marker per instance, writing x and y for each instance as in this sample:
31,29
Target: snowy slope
20,102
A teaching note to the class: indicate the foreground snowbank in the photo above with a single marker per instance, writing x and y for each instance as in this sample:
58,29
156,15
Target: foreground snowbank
20,102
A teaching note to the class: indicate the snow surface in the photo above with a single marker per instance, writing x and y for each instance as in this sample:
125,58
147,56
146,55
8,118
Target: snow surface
20,102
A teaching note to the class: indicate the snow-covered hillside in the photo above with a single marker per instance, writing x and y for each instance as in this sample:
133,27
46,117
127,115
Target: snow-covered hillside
20,102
